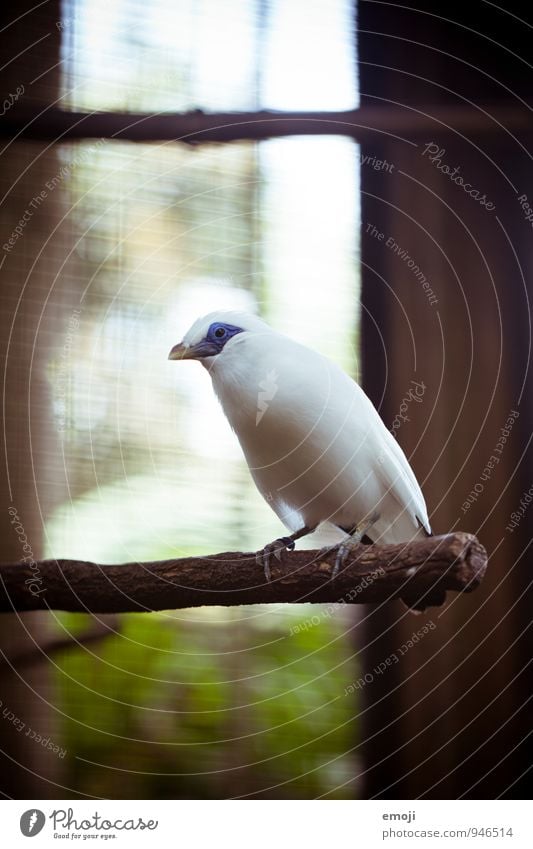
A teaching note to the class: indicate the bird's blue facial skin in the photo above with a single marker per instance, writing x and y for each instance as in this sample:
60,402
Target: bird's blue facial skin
217,336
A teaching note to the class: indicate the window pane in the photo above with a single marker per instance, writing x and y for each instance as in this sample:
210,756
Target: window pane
163,234
309,55
232,55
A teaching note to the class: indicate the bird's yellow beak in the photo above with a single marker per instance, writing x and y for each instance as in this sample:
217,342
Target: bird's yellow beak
182,352
200,351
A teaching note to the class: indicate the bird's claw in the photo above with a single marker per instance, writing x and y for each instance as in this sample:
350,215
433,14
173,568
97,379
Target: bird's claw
275,548
351,542
344,550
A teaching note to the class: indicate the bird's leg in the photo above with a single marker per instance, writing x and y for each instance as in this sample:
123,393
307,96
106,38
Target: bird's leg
277,547
354,538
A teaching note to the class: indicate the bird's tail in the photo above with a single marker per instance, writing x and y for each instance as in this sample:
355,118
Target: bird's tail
401,529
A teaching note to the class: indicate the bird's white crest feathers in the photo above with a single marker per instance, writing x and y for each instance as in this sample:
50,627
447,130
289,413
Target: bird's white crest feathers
247,321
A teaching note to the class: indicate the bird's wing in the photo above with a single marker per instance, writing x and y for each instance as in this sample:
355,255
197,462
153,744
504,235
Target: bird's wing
398,477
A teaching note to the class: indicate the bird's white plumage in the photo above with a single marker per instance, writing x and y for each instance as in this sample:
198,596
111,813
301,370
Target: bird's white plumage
319,451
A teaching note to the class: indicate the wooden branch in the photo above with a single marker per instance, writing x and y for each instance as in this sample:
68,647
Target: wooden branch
197,126
419,573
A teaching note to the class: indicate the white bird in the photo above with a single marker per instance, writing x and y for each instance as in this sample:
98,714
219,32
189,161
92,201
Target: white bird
315,444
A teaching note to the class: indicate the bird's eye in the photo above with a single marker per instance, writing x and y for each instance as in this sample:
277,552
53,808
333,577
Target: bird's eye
220,332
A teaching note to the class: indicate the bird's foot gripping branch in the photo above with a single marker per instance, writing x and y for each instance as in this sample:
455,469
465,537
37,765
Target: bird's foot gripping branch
418,572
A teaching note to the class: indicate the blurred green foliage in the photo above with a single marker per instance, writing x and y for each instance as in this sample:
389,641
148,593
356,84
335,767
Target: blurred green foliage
211,704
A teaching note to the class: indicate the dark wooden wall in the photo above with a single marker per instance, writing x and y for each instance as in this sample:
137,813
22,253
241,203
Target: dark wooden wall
451,718
30,448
